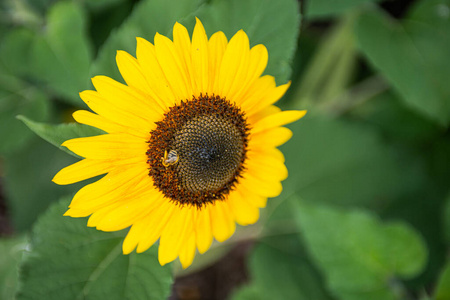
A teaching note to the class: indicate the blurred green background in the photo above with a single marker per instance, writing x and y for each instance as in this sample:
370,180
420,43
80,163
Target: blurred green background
365,212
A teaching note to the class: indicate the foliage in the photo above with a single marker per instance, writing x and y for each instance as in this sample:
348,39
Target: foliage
365,212
68,260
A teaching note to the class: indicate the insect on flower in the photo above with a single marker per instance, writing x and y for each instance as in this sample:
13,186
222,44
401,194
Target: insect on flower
170,159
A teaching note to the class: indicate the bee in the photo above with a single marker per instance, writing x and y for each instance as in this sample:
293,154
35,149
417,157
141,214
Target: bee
170,158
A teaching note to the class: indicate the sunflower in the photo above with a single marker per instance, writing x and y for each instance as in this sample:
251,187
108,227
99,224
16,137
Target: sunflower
190,143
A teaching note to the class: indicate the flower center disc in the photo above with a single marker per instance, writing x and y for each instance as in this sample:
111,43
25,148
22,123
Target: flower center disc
196,153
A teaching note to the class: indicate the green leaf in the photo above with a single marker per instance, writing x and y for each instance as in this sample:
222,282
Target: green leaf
327,8
15,51
18,98
57,134
10,254
277,31
329,72
446,220
279,266
61,56
413,57
278,274
342,162
98,5
28,186
41,6
249,292
398,122
360,256
443,287
147,18
431,12
37,7
69,260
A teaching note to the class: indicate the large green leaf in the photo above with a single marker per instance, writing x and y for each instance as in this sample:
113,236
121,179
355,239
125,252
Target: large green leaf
68,260
18,98
337,161
10,254
36,165
279,265
277,31
443,287
327,8
98,5
412,56
148,17
15,51
57,134
28,185
61,55
277,274
41,6
360,256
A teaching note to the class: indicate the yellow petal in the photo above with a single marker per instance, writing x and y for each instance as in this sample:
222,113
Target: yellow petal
115,186
278,119
132,73
257,201
222,221
91,119
77,213
175,234
134,236
84,169
267,167
203,230
244,212
99,214
128,99
127,212
109,146
266,154
217,45
146,231
256,92
234,66
255,104
261,186
270,138
272,153
252,198
257,63
187,252
146,56
111,112
263,113
94,120
171,65
156,221
182,44
200,58
130,70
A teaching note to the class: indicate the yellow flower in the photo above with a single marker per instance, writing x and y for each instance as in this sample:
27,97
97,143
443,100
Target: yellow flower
190,148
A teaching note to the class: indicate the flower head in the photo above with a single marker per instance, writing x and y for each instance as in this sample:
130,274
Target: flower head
190,143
